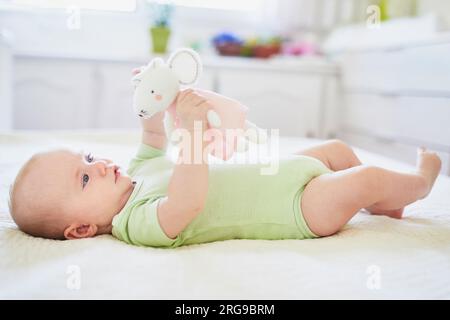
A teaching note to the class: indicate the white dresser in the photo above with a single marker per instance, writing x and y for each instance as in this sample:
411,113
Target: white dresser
397,98
296,96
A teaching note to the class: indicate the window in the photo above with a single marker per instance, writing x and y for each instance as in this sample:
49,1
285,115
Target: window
238,5
109,5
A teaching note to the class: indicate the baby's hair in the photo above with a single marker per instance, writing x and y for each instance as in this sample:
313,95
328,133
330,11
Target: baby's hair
31,217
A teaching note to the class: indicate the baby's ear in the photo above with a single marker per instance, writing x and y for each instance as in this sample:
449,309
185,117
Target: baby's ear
80,231
187,65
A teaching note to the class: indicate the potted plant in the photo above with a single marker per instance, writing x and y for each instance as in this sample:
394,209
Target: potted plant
397,8
160,29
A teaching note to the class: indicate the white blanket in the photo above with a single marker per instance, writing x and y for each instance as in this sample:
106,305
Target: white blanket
372,258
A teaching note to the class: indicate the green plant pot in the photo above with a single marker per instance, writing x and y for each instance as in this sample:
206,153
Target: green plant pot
397,8
160,39
384,10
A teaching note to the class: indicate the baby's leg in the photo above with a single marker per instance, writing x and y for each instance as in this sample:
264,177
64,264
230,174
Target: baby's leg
338,156
331,200
335,154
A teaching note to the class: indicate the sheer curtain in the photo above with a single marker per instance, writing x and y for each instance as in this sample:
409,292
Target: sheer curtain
317,15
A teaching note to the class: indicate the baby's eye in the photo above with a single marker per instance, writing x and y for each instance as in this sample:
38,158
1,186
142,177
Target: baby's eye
89,157
85,179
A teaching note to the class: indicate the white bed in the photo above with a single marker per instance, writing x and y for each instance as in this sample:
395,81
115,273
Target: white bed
372,258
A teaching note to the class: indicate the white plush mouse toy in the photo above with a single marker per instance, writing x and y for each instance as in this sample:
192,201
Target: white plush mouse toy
157,87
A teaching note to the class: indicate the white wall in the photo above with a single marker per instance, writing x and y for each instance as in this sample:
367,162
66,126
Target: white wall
114,35
125,35
46,32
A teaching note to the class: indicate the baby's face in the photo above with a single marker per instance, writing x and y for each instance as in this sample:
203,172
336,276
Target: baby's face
90,190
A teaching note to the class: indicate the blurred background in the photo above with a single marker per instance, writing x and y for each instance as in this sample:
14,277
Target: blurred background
374,73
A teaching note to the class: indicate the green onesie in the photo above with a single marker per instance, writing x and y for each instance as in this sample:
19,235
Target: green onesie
241,202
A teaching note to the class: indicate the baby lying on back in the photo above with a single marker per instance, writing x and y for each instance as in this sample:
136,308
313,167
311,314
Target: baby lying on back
66,195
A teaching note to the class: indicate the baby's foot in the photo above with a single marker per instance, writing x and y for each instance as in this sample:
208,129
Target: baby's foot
396,214
428,166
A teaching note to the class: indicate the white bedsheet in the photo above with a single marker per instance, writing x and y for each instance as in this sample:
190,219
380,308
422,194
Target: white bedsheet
373,257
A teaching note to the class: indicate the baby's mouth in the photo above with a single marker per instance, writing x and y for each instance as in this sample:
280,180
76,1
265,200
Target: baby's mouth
117,174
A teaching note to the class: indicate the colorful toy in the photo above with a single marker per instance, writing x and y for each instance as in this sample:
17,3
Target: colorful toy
157,86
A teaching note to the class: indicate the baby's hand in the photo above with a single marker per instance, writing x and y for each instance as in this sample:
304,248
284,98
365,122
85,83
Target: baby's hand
192,107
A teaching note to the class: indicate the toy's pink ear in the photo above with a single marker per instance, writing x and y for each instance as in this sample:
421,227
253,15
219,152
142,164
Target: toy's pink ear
136,79
187,65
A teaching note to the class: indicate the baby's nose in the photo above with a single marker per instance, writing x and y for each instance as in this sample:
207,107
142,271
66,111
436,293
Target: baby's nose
102,166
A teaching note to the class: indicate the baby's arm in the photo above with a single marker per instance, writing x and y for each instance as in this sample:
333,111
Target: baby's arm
188,185
153,133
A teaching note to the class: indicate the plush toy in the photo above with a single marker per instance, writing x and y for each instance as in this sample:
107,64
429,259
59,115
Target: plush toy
158,84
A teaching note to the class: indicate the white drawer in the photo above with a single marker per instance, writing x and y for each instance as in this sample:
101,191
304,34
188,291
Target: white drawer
114,99
416,120
415,70
277,100
425,68
425,119
395,150
373,71
53,94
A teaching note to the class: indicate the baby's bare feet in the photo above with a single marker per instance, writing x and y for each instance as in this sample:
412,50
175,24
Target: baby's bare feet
428,166
396,214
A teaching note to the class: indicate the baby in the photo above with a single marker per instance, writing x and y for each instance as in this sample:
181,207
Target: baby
66,195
